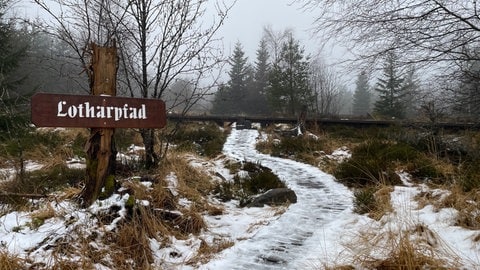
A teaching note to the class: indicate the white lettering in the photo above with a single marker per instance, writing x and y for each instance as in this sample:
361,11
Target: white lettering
86,110
89,110
125,108
80,110
60,109
100,112
72,111
142,112
133,113
109,111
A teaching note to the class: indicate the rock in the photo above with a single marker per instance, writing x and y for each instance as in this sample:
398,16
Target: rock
276,196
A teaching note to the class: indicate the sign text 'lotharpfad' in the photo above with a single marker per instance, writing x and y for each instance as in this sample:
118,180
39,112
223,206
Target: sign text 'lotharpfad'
57,110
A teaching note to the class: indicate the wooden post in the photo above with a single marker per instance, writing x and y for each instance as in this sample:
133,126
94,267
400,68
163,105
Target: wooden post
100,147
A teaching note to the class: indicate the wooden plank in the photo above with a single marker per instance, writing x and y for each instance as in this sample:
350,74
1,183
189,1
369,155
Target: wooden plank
60,110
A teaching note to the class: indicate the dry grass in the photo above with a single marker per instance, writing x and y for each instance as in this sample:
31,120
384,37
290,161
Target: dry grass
133,247
466,203
409,250
408,256
382,202
44,213
207,251
190,222
193,183
69,193
79,250
11,262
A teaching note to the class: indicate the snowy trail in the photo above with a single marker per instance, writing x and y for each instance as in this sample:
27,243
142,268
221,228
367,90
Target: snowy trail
287,242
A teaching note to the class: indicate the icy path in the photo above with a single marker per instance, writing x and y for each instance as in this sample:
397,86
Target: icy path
288,242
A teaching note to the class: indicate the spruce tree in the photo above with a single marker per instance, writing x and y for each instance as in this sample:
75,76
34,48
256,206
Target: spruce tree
12,50
257,100
230,98
238,79
289,91
361,96
391,90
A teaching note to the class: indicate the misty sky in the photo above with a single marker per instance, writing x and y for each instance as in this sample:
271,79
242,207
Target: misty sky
247,19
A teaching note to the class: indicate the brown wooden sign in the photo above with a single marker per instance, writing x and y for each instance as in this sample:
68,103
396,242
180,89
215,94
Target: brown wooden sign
58,110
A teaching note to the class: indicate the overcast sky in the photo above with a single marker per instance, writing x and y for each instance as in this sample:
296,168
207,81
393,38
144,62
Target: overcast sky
247,19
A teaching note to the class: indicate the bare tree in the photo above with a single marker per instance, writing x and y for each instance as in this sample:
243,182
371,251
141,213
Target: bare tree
158,42
274,41
325,87
420,31
162,41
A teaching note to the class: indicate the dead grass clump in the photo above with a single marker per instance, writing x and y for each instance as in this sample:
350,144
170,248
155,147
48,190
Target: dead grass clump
69,193
466,203
382,202
214,210
191,222
190,182
44,213
207,251
133,247
416,248
132,239
162,197
188,175
408,256
11,262
44,181
62,263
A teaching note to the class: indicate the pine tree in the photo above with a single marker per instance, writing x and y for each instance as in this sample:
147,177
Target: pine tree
362,95
391,90
289,90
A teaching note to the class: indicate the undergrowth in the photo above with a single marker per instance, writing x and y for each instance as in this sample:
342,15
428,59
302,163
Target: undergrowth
206,139
250,179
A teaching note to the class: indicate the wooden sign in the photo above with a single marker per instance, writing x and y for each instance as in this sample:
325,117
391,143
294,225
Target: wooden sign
58,110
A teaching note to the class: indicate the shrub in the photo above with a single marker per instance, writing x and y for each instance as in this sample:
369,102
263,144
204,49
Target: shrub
373,162
364,201
45,181
469,175
206,140
259,179
295,145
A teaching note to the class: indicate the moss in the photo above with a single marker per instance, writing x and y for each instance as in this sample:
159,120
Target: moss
130,203
109,187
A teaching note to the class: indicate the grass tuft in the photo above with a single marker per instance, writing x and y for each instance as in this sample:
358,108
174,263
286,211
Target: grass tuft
11,262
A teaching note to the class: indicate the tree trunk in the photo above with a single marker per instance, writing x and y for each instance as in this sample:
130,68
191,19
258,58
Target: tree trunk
151,158
100,147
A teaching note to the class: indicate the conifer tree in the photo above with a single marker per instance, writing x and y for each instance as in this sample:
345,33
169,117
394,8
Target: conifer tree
362,95
289,91
391,90
257,100
230,98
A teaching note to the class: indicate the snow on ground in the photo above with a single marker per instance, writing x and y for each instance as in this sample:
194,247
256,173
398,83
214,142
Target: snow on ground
320,230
